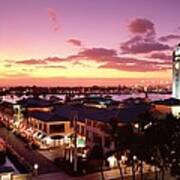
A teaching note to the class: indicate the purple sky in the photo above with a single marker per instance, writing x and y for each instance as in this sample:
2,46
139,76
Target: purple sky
88,29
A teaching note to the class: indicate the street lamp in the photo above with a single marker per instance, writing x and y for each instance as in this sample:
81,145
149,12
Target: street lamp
134,158
36,167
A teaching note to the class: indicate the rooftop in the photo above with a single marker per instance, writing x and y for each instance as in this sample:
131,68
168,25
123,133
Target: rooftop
47,116
168,102
65,112
34,102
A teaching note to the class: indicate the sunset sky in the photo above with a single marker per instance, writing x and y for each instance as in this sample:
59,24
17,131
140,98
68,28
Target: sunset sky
87,42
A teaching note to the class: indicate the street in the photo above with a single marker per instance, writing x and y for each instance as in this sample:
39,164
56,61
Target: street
31,156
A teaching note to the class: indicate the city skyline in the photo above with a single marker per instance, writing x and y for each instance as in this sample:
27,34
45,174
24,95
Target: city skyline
60,42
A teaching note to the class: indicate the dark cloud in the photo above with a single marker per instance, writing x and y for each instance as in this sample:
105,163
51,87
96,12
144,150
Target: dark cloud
37,61
142,26
135,67
169,38
143,47
98,54
53,59
74,42
111,60
95,54
161,56
53,19
31,62
143,39
131,64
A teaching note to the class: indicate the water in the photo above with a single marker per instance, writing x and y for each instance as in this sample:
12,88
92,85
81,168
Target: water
152,97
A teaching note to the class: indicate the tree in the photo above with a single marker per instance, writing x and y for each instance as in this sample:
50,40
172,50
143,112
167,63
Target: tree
98,154
159,137
2,157
120,135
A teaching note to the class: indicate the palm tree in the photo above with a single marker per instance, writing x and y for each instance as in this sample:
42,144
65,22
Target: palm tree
98,154
120,136
141,146
113,131
159,139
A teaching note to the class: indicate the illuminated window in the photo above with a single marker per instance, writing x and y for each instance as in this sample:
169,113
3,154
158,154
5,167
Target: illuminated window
57,128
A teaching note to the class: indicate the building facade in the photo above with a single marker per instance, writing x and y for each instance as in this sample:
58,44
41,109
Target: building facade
176,73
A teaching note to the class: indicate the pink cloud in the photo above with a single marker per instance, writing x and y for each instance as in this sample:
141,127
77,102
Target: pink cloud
161,56
143,39
136,65
113,61
143,47
110,59
169,38
74,42
53,59
98,54
141,26
54,19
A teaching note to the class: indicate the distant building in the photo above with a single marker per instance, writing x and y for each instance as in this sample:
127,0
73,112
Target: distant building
176,73
168,106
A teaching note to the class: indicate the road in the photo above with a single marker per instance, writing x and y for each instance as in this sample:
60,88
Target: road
48,170
31,156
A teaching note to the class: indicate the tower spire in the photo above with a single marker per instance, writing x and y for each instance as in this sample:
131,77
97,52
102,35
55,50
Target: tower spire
176,73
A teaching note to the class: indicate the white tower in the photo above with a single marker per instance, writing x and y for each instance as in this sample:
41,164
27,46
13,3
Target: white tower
176,73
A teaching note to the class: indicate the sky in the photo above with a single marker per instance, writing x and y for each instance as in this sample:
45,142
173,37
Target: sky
83,42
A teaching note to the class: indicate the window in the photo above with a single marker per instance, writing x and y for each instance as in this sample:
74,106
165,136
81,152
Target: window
71,123
57,128
87,134
78,128
40,126
95,124
101,127
107,142
82,130
97,139
45,128
35,125
88,123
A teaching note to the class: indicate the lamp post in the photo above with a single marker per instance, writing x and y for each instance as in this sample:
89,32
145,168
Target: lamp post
36,167
134,159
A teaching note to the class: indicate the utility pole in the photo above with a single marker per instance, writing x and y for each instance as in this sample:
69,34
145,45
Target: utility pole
75,158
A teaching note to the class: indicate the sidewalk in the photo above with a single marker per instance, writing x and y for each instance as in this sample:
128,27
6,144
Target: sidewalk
108,175
51,154
30,156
